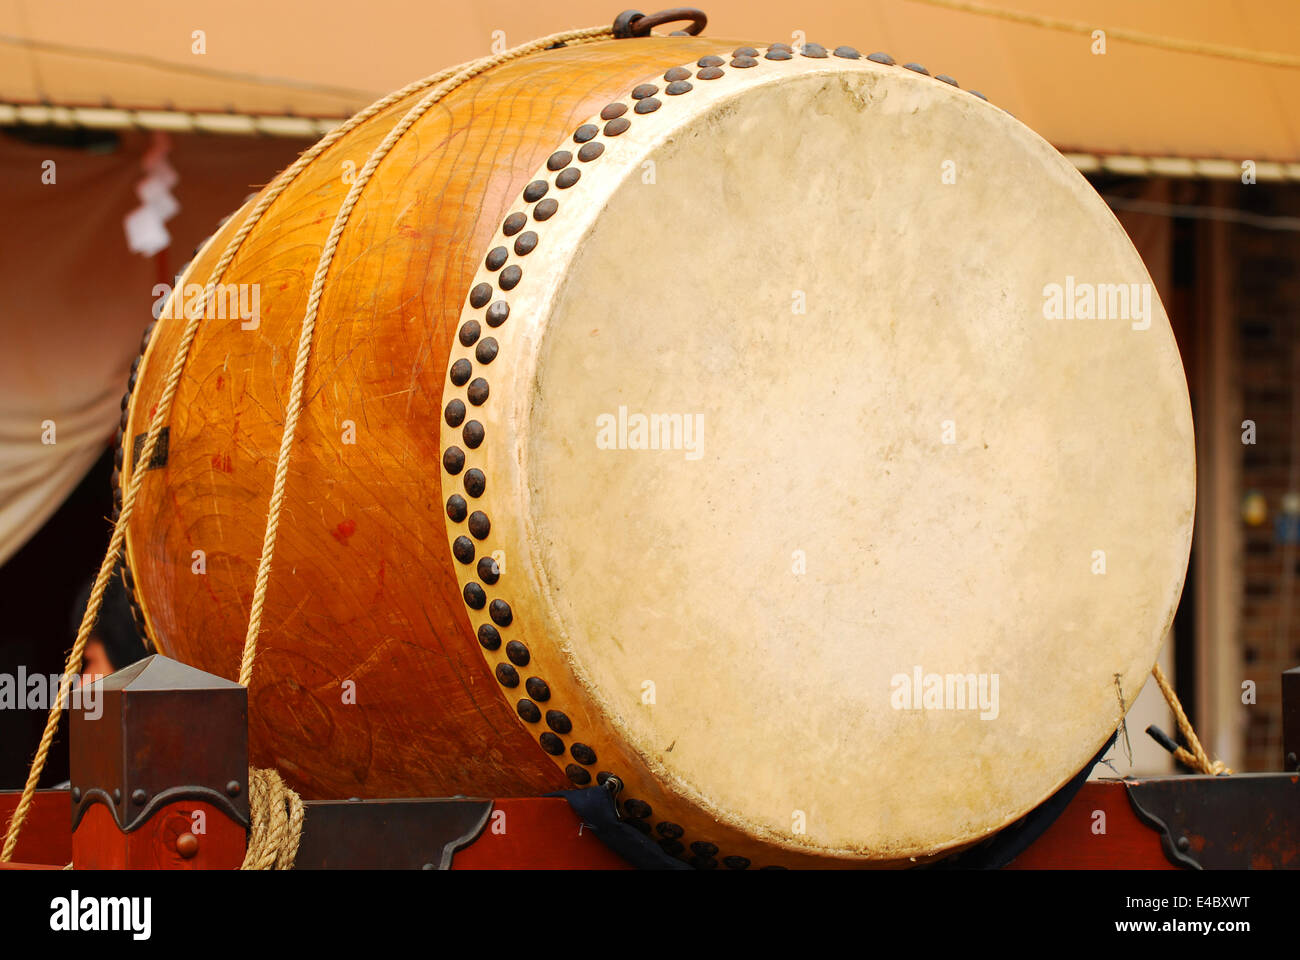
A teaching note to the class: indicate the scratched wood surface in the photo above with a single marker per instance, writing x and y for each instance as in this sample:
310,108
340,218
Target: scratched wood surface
362,588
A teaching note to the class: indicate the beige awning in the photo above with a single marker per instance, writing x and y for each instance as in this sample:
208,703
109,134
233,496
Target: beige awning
1203,79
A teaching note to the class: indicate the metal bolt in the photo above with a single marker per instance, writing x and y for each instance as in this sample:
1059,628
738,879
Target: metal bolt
187,845
232,788
1184,844
138,797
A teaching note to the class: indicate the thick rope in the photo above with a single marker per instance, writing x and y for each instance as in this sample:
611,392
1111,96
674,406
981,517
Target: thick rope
294,408
1177,45
172,384
1197,759
276,814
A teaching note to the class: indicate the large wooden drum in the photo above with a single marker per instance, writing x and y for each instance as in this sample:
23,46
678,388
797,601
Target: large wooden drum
791,434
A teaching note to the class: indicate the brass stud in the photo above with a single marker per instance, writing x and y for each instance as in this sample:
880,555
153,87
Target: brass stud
187,845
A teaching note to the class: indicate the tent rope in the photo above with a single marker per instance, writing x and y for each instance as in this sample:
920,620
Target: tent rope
1197,759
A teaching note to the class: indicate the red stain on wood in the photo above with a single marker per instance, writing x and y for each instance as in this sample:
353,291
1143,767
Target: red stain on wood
344,530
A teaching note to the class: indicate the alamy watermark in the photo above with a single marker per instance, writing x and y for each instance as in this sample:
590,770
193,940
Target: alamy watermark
39,691
229,301
945,691
1099,301
655,431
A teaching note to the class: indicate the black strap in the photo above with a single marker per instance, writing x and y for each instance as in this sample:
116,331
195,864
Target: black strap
595,807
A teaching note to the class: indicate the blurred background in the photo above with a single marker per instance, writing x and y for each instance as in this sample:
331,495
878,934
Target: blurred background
129,130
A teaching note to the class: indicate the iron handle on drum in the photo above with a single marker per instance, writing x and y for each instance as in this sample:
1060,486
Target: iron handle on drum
633,23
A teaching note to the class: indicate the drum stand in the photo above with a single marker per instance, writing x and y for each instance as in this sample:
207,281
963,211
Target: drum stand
160,781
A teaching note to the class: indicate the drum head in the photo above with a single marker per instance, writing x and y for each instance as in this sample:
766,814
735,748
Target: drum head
854,515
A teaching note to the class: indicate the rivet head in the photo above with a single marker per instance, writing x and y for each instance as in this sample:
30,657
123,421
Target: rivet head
76,794
486,351
457,509
507,675
702,848
559,721
233,788
578,775
591,151
536,190
473,434
469,331
774,54
187,845
582,753
637,809
948,80
678,87
644,90
559,160
673,848
517,653
677,73
848,53
488,572
615,127
525,244
744,63
709,61
460,371
916,68
815,50
612,111
528,711
117,795
509,278
735,863
488,637
976,93
649,104
1184,844
478,391
879,57
462,548
546,209
570,175
513,224
501,613
669,831
551,744
497,313
475,597
480,295
453,460
538,689
479,525
455,413
744,52
585,132
475,482
496,258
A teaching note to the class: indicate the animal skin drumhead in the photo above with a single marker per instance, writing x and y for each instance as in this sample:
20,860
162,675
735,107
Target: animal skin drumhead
842,463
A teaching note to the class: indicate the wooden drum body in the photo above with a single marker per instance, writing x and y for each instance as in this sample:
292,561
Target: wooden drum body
682,419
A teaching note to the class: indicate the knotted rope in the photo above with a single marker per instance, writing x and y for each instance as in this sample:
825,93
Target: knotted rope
443,82
1197,759
276,814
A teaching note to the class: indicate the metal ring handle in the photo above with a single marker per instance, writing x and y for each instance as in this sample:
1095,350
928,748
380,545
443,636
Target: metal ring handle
633,23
